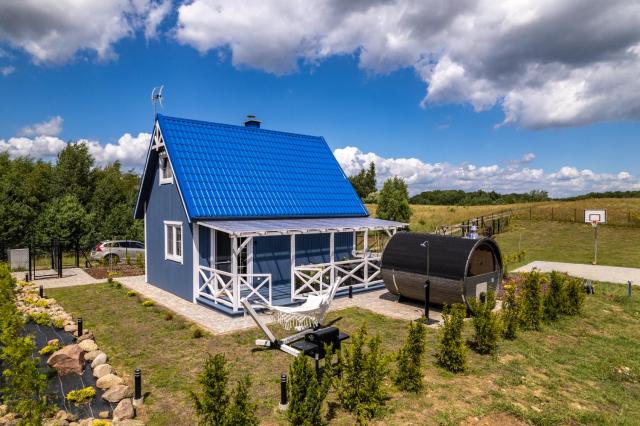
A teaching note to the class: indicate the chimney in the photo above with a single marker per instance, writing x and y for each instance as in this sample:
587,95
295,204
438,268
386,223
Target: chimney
252,121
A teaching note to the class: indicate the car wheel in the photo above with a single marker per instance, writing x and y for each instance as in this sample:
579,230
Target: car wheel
111,258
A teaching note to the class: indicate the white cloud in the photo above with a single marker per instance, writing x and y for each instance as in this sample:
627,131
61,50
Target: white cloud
545,63
43,147
7,70
52,32
515,177
51,127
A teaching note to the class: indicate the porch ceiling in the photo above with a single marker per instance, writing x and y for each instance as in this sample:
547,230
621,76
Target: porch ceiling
253,228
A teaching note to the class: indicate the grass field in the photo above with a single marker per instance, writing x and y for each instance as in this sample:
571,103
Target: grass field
566,374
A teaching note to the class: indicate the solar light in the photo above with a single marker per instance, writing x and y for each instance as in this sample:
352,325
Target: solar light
283,392
79,322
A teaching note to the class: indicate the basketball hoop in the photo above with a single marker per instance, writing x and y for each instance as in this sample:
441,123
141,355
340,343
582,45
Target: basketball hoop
594,222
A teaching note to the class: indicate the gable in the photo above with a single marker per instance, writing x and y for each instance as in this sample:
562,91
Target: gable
225,171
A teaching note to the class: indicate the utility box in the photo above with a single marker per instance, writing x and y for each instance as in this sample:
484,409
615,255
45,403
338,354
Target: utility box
19,259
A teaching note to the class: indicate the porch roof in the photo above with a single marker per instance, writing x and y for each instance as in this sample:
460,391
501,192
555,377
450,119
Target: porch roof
253,228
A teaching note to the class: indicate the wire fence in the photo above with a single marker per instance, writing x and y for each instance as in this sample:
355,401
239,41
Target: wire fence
622,217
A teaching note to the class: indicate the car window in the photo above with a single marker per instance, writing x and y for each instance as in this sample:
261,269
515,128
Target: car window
115,245
138,245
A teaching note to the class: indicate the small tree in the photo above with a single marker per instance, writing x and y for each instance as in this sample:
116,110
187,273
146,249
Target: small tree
361,387
574,299
211,403
409,359
510,312
393,201
531,302
365,181
242,411
486,323
452,351
553,300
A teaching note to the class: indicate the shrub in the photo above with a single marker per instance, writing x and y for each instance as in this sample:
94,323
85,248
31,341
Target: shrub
168,316
147,303
242,410
117,284
409,359
452,351
393,201
100,422
110,277
554,298
140,260
360,389
531,302
81,396
196,332
510,312
57,323
306,393
128,259
49,349
131,293
486,324
40,318
574,296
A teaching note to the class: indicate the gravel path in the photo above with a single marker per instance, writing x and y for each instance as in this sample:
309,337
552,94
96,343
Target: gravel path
613,274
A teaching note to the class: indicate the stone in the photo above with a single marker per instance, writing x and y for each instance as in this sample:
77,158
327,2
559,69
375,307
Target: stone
9,419
55,422
53,342
124,410
71,328
108,381
3,410
117,393
86,422
90,356
99,360
67,360
88,345
129,422
103,414
86,336
102,370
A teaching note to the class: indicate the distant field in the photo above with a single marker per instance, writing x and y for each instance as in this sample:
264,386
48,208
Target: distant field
622,211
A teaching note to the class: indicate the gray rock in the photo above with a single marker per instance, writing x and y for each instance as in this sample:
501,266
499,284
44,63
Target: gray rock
90,356
86,336
102,370
124,410
117,393
99,360
108,381
88,345
71,328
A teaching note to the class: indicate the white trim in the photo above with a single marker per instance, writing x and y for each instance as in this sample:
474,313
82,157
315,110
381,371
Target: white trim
146,246
161,178
195,237
169,256
293,264
212,252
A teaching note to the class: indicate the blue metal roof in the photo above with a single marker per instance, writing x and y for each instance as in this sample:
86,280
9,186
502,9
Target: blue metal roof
226,171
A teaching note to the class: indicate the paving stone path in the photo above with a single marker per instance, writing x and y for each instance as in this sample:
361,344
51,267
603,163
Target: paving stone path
612,274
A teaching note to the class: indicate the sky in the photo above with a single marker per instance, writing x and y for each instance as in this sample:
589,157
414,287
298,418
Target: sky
508,96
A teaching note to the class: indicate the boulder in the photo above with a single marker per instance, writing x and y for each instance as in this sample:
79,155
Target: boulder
102,370
117,393
99,360
87,335
88,345
71,328
9,419
67,360
4,409
108,381
90,356
124,410
103,414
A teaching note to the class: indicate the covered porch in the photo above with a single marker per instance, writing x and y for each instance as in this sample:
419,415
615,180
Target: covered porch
281,261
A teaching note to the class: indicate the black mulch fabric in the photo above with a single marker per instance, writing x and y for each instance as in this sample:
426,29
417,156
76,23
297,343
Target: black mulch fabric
58,387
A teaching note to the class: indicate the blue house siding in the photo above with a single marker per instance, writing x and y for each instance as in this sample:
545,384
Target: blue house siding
312,248
164,203
272,255
343,245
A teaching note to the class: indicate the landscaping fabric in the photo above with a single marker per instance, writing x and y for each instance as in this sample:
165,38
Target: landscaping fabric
58,387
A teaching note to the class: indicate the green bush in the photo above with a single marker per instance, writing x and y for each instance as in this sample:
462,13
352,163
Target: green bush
393,201
147,303
452,351
168,316
555,297
131,293
57,323
40,318
212,404
531,302
361,385
510,312
409,376
486,323
306,392
196,332
81,396
49,349
574,296
140,260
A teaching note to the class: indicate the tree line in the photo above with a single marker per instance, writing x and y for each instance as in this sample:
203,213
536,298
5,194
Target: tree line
459,197
71,200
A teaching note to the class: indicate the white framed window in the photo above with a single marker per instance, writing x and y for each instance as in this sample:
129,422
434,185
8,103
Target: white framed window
166,174
173,241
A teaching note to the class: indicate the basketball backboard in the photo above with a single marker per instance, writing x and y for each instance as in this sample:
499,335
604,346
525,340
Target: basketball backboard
595,215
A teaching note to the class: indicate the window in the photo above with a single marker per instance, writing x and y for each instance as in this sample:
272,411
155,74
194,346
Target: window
166,174
173,241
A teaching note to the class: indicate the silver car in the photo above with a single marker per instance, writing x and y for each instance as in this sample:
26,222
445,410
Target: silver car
115,251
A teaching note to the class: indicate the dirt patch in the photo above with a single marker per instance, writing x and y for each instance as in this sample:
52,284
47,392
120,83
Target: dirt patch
502,419
102,272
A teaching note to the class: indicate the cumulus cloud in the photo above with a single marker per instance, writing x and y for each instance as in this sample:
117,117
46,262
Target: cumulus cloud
130,150
7,70
52,32
545,63
51,127
515,177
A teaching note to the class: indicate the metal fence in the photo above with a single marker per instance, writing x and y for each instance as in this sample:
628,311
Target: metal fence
624,217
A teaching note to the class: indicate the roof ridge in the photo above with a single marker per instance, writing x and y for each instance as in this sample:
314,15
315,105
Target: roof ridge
237,126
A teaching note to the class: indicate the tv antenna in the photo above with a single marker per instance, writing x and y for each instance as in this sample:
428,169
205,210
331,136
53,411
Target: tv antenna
156,98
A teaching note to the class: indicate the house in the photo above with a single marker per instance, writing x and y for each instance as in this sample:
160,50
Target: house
233,212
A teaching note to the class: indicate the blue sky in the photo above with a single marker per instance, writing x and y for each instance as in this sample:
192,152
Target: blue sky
358,95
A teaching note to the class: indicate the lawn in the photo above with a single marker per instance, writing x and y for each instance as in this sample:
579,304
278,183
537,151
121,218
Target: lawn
571,242
565,374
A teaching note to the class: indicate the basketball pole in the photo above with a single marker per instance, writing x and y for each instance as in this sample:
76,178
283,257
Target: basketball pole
595,244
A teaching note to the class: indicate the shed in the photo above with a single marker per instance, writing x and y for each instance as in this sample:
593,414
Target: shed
458,268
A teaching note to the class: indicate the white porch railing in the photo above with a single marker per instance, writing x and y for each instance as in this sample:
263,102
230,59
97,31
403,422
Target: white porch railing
228,289
315,279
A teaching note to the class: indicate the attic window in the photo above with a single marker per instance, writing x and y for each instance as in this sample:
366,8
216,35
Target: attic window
166,174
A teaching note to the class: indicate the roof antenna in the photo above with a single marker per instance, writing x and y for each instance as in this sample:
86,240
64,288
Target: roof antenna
156,98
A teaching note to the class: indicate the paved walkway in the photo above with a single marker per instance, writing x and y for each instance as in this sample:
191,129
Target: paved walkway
70,277
613,274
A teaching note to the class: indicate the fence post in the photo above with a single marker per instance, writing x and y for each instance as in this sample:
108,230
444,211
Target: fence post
77,254
552,214
629,216
575,215
530,212
59,247
629,289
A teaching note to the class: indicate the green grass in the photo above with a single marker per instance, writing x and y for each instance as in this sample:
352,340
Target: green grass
571,242
565,374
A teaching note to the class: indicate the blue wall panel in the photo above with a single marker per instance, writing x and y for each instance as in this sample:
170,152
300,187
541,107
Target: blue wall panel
205,246
343,243
272,255
164,203
312,248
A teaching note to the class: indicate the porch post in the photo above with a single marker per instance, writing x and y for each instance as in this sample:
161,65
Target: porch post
234,272
195,237
332,256
293,265
366,257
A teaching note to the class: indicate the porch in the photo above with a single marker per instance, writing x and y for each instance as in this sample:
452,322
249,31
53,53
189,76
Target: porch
280,262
